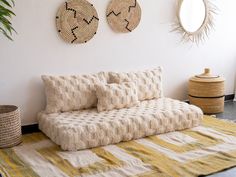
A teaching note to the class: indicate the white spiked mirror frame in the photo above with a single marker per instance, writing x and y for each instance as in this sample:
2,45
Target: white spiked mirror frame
203,31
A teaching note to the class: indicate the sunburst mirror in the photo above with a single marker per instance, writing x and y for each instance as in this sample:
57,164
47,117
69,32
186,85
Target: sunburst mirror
194,19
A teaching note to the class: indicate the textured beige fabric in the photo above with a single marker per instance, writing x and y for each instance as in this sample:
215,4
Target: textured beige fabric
88,128
149,82
116,96
68,93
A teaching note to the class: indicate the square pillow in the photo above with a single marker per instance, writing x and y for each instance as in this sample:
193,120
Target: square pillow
116,96
70,93
149,82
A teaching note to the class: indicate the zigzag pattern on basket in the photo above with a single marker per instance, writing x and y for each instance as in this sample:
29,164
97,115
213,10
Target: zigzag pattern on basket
123,15
79,27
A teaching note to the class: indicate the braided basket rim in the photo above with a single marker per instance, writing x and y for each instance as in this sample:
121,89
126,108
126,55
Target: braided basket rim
7,110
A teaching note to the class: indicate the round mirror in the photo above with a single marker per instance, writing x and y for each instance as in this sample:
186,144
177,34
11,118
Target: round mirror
192,14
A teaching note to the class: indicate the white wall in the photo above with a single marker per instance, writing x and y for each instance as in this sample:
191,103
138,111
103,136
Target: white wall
37,49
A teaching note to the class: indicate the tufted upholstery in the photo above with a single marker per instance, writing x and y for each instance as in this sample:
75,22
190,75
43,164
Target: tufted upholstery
88,128
149,82
68,93
116,96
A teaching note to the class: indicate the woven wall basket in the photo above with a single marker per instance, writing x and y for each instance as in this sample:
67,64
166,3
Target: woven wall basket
77,21
123,15
10,126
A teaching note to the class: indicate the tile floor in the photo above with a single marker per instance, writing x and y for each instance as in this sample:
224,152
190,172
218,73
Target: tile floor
229,112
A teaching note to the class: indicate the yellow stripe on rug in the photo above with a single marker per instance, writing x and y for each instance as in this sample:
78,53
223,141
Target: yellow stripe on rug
201,141
51,155
11,165
224,126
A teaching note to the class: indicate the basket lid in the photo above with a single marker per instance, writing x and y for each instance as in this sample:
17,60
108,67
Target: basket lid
207,77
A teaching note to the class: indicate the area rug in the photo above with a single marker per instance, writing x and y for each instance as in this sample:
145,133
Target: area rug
202,150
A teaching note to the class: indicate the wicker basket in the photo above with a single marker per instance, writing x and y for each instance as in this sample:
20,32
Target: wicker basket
10,126
207,92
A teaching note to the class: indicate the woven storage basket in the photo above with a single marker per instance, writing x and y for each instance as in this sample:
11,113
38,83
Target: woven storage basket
10,126
207,92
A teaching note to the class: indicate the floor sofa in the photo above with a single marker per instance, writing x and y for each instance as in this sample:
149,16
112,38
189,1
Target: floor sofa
79,116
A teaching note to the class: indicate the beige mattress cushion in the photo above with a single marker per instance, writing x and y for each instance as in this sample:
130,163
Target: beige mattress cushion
149,82
88,128
116,96
69,93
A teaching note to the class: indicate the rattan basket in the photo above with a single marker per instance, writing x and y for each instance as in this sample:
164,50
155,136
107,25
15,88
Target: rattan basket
207,92
10,126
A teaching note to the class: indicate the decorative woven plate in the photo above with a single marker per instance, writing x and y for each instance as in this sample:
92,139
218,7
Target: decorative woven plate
123,15
77,21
